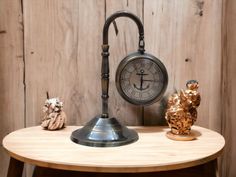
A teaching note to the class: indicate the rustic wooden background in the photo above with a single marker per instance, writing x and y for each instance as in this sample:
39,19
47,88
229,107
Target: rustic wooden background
55,46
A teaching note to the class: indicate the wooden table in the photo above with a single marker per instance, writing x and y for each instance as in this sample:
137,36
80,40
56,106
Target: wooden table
54,153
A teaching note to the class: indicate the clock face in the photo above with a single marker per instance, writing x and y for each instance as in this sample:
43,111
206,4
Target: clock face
141,80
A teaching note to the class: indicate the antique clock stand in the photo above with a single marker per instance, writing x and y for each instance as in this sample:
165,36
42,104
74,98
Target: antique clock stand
141,79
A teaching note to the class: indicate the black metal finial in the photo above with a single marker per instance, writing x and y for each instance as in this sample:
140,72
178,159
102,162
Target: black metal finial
47,94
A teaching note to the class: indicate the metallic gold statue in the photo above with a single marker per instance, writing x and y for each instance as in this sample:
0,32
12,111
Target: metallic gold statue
182,112
54,117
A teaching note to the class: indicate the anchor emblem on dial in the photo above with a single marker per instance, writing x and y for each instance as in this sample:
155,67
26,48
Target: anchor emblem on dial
142,74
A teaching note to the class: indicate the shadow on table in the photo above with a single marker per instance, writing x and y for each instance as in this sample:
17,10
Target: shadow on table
150,129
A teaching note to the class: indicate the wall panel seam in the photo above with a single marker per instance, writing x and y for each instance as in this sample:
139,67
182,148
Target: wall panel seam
23,58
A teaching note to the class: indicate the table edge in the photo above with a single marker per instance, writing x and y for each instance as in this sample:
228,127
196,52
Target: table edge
117,169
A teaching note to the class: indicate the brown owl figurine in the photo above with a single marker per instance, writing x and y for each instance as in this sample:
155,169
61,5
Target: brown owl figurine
54,117
182,111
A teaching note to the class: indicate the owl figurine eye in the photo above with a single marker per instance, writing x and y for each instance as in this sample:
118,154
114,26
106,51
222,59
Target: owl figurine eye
141,79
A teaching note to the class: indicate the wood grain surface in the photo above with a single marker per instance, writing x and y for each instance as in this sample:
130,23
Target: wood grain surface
55,46
186,36
11,73
152,152
65,60
229,88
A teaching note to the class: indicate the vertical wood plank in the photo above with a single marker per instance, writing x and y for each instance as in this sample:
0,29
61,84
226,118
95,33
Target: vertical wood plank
186,36
11,73
125,42
63,56
229,88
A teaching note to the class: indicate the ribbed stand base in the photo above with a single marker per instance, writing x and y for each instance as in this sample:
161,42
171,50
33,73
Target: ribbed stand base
104,132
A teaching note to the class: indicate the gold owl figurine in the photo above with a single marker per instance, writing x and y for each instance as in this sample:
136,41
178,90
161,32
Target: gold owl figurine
182,112
54,117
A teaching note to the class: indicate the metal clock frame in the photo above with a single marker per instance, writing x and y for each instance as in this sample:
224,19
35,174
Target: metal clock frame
126,61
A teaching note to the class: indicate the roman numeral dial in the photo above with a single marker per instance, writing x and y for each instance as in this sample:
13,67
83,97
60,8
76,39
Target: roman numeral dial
141,80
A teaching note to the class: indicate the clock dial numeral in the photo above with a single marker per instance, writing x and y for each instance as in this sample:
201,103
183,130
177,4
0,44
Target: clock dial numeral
128,70
125,83
149,66
133,93
140,96
124,79
127,75
137,66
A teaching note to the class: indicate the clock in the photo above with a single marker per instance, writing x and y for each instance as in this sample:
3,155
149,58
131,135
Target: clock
141,78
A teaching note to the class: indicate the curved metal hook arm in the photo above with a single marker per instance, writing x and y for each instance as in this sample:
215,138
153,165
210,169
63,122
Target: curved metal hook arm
105,54
129,15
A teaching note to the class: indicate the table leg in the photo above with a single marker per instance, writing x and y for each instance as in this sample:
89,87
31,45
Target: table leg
49,172
15,168
38,171
211,169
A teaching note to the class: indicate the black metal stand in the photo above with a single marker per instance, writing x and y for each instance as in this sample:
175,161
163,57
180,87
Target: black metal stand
103,131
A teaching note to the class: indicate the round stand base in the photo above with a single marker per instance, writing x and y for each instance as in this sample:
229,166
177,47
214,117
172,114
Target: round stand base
175,137
104,132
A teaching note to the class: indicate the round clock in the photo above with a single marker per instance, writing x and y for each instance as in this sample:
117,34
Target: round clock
141,78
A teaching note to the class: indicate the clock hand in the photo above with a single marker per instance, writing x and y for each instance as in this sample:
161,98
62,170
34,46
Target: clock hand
151,80
144,74
141,83
148,80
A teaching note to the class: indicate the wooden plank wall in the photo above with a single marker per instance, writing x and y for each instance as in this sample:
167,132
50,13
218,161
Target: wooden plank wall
55,46
229,88
65,60
186,35
11,73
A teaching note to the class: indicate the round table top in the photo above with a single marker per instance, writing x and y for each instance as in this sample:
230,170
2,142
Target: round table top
152,152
